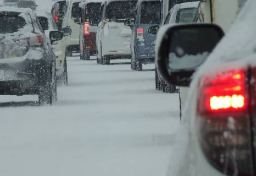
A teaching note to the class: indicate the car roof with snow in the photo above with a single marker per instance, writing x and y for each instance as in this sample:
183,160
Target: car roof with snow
83,3
139,1
14,9
189,5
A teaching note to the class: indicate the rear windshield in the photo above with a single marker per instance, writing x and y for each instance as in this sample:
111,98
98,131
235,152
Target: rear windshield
92,13
188,15
120,10
61,8
76,10
11,22
150,12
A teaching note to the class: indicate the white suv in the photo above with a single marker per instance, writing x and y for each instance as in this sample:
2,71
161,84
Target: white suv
113,37
217,136
72,19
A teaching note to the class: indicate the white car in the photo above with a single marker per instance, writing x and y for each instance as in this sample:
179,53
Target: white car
113,38
59,47
217,135
72,19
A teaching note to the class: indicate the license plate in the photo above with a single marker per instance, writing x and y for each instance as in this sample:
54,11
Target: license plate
1,74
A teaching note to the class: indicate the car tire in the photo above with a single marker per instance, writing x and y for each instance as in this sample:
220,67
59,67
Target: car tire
86,54
69,53
169,88
106,60
82,57
48,93
138,65
157,81
65,73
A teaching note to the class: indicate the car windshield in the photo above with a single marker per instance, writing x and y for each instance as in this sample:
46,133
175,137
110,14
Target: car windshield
92,13
150,12
187,15
120,10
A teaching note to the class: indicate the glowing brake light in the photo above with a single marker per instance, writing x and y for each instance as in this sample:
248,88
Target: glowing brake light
225,92
227,102
56,18
86,28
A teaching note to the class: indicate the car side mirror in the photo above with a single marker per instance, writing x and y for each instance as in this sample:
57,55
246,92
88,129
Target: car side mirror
183,48
153,29
77,20
55,36
66,31
129,22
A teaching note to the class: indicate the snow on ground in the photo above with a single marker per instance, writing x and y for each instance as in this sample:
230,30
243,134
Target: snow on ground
109,121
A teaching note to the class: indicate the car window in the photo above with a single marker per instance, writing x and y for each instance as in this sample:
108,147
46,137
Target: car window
92,13
187,15
150,12
11,22
44,22
119,11
76,10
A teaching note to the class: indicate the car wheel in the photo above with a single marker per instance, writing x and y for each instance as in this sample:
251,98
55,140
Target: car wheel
69,53
87,54
133,64
48,93
157,81
65,73
106,60
138,65
82,57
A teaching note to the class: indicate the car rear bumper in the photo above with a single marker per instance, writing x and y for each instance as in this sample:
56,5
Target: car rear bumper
116,46
24,77
90,42
145,52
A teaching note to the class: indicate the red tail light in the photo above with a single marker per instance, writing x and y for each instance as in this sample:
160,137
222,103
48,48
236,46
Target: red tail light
86,28
56,18
224,122
37,41
140,31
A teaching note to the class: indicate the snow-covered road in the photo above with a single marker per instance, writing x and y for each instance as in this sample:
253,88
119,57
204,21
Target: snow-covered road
109,121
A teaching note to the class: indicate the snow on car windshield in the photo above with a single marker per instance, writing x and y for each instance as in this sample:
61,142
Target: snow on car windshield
120,10
13,38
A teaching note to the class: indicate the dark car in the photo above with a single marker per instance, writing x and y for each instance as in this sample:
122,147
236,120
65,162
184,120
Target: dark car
148,15
27,61
91,16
